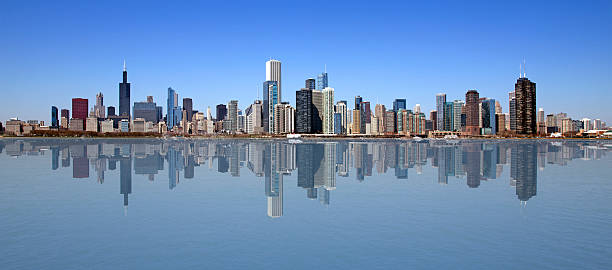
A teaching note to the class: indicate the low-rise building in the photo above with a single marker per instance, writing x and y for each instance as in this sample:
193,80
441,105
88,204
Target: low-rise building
76,124
14,127
106,126
124,125
91,124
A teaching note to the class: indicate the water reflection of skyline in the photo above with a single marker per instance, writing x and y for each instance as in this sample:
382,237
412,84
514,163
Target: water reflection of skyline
317,163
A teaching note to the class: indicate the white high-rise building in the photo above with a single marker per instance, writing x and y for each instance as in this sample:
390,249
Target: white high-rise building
254,123
587,124
328,110
208,114
417,108
541,116
273,73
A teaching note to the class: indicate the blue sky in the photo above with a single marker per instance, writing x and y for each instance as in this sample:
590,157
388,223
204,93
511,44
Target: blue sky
52,51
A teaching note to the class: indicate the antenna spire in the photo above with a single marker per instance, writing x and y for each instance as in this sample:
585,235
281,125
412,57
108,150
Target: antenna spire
124,65
524,68
520,70
325,68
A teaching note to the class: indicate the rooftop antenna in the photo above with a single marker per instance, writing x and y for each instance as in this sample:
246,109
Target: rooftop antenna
325,68
524,68
520,70
123,64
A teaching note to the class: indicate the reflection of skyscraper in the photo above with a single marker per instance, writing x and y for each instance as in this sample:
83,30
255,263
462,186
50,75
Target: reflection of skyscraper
526,170
80,163
309,158
274,182
471,153
125,177
54,158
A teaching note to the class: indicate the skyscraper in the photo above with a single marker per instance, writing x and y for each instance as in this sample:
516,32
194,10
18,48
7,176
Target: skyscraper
440,101
525,106
271,98
303,110
512,110
449,116
328,110
310,84
342,109
54,118
233,115
79,111
124,95
147,111
273,73
471,112
188,107
317,111
322,82
358,101
488,117
457,108
174,114
365,115
399,104
221,112
99,109
254,119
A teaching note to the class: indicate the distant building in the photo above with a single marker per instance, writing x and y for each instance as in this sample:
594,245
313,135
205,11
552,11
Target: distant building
304,110
124,95
65,118
489,123
440,101
99,110
472,112
106,126
273,73
254,121
146,110
79,110
188,107
124,125
457,110
365,116
310,83
233,115
110,111
342,109
328,110
54,117
91,124
512,110
174,115
525,106
317,111
221,112
76,124
271,98
322,81
399,104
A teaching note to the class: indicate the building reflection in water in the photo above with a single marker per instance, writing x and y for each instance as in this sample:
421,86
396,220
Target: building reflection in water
318,163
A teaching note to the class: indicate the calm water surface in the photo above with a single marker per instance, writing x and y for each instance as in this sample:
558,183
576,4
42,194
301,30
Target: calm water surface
255,204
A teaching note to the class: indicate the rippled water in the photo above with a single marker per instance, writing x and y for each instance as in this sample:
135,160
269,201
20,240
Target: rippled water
256,204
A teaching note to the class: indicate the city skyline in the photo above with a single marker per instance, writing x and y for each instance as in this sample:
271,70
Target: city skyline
377,72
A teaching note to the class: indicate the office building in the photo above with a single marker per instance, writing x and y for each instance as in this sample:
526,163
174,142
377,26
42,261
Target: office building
342,110
488,117
188,107
358,100
147,111
174,113
79,109
233,116
322,81
254,121
124,95
110,111
472,113
399,104
317,111
366,114
273,73
304,110
328,110
54,117
99,110
440,101
310,83
271,97
525,95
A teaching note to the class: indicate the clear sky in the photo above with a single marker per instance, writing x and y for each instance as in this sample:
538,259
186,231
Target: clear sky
52,51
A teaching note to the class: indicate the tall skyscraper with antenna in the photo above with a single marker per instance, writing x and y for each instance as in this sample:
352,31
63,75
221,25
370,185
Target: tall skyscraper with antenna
525,96
124,95
322,81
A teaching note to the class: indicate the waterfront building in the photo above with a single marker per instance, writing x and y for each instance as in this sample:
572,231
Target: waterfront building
124,95
54,117
449,116
271,98
79,109
106,126
472,112
366,114
91,124
342,109
233,115
188,107
440,101
328,110
317,111
488,117
457,112
221,112
273,73
146,110
304,110
254,121
525,91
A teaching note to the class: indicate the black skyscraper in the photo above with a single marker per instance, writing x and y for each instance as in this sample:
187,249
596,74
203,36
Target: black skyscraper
525,98
221,112
304,111
124,95
110,111
188,107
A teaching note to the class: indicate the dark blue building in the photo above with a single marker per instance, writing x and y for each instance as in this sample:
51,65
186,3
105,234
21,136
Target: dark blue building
54,118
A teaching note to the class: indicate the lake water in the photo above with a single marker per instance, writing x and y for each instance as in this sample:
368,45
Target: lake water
258,204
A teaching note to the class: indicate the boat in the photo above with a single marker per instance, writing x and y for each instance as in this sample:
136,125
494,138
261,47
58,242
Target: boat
294,136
